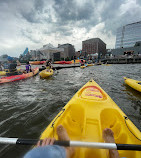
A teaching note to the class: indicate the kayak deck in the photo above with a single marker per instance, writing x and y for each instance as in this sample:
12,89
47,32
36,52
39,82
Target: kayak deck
87,114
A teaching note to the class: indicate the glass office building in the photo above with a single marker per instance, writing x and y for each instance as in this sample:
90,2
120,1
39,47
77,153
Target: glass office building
128,35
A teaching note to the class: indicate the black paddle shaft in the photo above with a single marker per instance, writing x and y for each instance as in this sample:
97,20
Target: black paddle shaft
128,147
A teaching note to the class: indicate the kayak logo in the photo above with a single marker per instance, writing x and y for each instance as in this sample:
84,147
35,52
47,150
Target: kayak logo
93,91
94,95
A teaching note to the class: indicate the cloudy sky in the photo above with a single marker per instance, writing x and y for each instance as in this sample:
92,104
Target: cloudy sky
33,23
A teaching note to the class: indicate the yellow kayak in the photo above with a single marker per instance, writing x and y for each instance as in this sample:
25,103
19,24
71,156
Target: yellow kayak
82,67
90,64
46,73
133,83
3,73
87,114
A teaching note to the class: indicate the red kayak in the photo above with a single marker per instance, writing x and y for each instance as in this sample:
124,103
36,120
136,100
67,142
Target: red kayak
68,62
19,77
62,62
42,62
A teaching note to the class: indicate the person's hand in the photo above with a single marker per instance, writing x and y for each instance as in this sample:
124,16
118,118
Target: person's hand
46,141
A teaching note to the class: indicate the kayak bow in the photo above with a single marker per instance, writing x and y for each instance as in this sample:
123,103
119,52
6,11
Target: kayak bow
133,83
87,114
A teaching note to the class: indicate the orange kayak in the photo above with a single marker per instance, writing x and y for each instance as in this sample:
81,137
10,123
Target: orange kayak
34,62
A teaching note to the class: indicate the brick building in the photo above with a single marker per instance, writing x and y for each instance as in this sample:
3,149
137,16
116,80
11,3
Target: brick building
93,46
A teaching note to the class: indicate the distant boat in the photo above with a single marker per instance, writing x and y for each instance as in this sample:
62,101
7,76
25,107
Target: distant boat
34,62
77,61
62,62
42,62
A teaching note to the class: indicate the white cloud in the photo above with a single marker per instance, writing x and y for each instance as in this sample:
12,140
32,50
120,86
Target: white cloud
129,5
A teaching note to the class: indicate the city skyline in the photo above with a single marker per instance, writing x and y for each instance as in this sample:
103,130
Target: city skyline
37,22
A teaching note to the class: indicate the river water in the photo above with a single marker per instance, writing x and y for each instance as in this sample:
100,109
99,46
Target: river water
28,106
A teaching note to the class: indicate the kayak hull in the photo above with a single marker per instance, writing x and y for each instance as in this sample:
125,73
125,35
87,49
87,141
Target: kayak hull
133,83
82,67
34,62
45,73
87,114
19,77
42,62
77,61
63,62
90,64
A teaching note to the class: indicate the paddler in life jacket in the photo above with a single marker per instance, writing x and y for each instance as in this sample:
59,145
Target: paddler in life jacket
10,67
48,65
28,67
82,62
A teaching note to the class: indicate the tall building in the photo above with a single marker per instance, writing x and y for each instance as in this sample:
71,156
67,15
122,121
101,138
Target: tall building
69,50
93,46
128,35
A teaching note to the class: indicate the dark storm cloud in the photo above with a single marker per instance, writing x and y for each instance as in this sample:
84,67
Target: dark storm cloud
70,11
32,15
39,5
74,14
139,2
109,15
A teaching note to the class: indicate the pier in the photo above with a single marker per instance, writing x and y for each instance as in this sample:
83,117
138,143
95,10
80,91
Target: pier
58,67
122,60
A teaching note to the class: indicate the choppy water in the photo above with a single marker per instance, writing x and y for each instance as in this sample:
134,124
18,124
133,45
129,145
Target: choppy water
27,107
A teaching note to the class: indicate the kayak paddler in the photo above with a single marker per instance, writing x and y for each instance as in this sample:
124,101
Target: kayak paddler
28,67
48,64
82,62
10,67
46,149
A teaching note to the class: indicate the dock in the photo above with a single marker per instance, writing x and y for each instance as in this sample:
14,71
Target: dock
120,60
58,67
